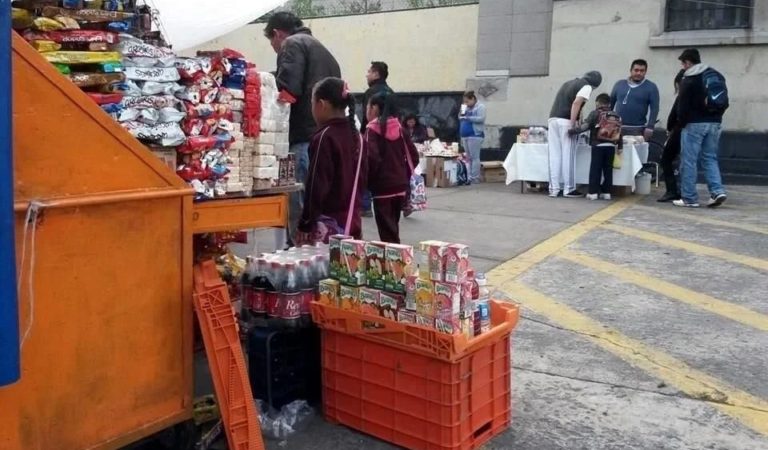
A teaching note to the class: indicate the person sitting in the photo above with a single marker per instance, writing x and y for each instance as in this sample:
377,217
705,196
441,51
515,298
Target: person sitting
415,130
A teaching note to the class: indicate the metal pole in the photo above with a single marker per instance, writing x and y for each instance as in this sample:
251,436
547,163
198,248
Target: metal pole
9,307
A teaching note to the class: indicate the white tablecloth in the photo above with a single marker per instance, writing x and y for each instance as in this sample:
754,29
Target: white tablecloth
530,162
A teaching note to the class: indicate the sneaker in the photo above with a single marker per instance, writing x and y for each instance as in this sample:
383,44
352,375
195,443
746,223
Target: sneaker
556,194
574,194
685,204
591,196
668,197
605,196
717,200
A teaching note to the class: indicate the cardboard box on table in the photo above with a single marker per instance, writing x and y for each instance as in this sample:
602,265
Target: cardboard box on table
441,171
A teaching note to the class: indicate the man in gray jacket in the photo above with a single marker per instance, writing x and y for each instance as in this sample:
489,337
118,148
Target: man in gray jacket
564,116
302,61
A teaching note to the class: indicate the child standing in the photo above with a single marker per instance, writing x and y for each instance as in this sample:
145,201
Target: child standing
336,178
391,160
604,127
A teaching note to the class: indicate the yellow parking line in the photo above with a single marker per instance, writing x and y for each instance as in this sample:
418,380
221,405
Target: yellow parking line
708,303
524,261
707,220
748,409
699,249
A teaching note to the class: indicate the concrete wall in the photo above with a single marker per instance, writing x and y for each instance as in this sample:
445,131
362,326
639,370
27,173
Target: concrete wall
428,50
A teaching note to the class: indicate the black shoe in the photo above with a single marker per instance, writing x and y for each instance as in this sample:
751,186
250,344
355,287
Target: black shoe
717,200
668,197
574,194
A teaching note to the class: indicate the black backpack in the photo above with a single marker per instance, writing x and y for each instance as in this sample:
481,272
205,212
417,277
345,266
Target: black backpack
716,100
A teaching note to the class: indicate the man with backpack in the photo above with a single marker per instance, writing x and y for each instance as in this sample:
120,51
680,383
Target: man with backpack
702,101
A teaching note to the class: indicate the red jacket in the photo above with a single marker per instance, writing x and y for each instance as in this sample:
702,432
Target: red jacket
388,170
333,157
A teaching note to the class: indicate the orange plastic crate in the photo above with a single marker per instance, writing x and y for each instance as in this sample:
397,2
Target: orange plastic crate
409,397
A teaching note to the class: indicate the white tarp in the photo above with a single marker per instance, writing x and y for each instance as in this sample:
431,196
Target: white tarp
189,23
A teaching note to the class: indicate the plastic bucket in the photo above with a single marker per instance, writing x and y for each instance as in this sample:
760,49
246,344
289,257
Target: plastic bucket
643,184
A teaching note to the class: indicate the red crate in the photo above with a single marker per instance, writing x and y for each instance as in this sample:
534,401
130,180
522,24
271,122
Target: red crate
415,400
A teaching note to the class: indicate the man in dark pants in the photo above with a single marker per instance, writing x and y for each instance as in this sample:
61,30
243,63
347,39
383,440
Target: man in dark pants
376,77
302,61
672,149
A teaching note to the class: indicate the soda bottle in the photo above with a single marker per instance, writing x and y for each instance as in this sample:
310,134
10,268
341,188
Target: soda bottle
260,284
307,285
290,297
246,293
273,291
482,319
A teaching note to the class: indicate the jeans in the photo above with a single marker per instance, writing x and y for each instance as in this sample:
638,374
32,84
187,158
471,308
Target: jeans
601,167
472,146
301,153
700,142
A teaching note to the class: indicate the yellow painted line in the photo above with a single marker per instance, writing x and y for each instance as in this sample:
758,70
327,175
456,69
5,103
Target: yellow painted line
699,249
752,411
707,220
706,302
524,261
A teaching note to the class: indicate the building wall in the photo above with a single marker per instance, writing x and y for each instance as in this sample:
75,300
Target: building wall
427,50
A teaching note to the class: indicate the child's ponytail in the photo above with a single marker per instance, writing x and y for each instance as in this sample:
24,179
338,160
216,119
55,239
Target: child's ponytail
336,92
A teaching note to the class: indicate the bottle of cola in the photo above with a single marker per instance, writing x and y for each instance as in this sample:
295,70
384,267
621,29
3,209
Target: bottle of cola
290,297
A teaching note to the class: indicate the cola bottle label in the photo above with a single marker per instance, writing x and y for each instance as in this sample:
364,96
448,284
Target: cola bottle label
291,305
249,299
307,297
273,303
259,301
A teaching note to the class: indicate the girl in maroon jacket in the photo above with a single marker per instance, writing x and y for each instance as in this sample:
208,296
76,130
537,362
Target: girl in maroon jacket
338,167
391,160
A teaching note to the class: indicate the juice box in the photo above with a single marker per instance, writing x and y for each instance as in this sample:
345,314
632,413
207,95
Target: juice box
406,316
375,262
456,263
353,262
436,259
369,301
447,299
390,304
334,249
328,292
410,292
399,264
425,297
349,298
448,323
425,321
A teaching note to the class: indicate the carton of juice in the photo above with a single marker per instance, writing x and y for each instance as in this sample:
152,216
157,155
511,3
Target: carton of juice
353,262
448,323
328,292
375,262
334,259
399,265
425,321
436,259
406,316
456,263
447,299
425,297
390,304
369,301
349,298
410,292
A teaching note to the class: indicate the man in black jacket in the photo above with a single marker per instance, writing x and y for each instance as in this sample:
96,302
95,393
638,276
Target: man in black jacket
302,61
700,114
377,83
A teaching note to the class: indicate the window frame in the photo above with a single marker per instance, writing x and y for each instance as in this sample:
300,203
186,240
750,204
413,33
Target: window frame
749,26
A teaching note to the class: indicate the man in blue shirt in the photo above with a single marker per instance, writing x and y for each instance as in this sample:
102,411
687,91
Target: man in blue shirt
636,99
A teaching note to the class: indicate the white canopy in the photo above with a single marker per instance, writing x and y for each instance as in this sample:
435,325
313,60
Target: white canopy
189,23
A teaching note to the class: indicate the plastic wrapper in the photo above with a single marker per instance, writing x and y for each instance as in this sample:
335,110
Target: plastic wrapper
157,74
129,115
189,94
68,22
138,49
64,57
280,425
47,24
165,134
112,108
83,80
199,127
170,114
75,36
103,99
200,143
72,4
188,67
141,61
157,88
46,46
63,69
98,47
215,110
103,67
114,5
149,116
119,27
209,96
150,101
87,15
21,19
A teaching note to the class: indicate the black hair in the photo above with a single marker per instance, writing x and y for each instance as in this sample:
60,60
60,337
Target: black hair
387,108
335,91
381,68
679,77
639,62
691,55
410,116
603,99
282,20
470,95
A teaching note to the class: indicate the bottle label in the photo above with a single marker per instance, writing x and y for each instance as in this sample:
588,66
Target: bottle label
273,301
259,301
307,297
290,306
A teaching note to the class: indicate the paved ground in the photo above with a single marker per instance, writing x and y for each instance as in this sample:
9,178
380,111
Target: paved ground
643,326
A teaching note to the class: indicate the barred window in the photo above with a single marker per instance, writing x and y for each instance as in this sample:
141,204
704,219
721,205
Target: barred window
685,15
327,8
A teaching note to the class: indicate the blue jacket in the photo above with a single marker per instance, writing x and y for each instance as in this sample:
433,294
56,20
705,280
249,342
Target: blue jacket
633,103
476,115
